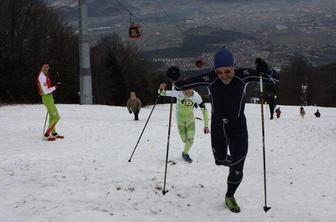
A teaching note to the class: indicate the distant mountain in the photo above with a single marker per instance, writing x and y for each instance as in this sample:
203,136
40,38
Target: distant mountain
281,28
102,8
206,39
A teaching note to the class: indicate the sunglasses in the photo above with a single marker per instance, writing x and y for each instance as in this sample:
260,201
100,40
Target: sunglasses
226,71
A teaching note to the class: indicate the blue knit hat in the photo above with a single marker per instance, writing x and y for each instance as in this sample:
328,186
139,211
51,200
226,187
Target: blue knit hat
223,58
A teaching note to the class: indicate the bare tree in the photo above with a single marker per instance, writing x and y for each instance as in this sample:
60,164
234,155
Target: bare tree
117,69
32,32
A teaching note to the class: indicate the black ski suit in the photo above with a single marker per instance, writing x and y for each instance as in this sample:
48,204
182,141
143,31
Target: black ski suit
228,123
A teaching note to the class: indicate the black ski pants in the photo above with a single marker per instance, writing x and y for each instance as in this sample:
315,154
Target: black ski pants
232,137
136,114
271,108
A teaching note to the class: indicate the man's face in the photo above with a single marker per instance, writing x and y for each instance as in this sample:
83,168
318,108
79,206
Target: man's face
132,94
188,92
45,68
225,73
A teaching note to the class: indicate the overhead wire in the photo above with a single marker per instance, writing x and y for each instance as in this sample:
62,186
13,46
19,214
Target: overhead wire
144,40
169,18
124,7
161,9
206,21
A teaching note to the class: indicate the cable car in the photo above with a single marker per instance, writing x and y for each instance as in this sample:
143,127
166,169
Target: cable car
199,63
134,31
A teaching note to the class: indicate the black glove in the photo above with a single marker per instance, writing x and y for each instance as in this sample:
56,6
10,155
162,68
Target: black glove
261,66
130,111
173,73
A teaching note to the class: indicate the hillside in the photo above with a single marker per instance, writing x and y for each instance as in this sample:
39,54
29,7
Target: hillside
86,177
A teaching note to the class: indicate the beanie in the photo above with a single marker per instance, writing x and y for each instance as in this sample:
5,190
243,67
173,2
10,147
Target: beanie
223,58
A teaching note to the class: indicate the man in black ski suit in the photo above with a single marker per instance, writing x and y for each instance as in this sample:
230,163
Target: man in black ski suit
227,87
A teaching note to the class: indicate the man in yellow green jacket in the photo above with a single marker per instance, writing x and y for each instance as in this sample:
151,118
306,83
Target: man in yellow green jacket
186,101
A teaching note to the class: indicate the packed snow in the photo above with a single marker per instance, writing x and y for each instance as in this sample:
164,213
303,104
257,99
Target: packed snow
87,177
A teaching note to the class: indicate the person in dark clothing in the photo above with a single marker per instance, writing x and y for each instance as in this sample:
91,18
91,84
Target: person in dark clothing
270,99
317,114
302,112
227,87
134,105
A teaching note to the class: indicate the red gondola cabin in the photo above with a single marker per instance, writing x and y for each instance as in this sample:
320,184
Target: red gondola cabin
199,63
134,31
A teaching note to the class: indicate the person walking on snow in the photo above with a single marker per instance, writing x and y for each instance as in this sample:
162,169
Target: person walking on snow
45,90
134,105
186,101
302,112
317,114
227,87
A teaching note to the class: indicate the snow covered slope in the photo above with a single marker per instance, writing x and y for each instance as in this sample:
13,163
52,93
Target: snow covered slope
87,176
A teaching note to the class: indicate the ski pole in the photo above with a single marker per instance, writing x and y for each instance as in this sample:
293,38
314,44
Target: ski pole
173,74
59,82
266,107
58,77
150,114
45,122
266,208
164,191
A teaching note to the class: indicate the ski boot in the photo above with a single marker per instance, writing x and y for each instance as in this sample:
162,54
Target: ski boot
47,137
231,203
57,136
186,157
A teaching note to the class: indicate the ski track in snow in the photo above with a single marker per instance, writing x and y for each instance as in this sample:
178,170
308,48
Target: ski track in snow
87,176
